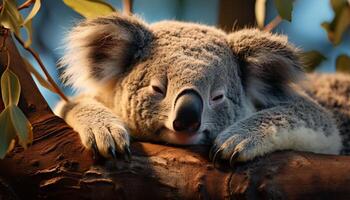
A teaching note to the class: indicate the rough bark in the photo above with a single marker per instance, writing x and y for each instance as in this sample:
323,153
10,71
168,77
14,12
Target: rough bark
56,166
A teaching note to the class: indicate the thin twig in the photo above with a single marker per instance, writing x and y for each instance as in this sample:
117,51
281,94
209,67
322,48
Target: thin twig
273,24
42,66
127,7
26,4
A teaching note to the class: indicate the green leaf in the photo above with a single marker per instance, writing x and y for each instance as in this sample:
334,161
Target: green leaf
33,12
27,24
260,12
10,88
29,30
12,122
340,23
7,132
21,125
284,8
38,77
10,17
327,26
337,5
312,59
90,8
343,64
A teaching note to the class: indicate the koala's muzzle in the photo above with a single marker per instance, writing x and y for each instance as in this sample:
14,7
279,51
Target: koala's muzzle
188,111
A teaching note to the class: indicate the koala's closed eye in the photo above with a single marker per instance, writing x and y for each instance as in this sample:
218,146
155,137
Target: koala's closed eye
157,88
217,97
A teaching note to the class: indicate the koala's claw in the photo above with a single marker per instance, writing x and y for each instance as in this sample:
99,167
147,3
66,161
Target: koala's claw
112,152
127,155
240,147
106,138
212,151
215,155
94,150
233,158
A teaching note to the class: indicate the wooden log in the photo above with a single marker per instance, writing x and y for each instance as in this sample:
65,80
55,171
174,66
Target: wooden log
56,166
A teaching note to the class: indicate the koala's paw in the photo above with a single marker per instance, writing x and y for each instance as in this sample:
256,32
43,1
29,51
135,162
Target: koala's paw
239,147
106,137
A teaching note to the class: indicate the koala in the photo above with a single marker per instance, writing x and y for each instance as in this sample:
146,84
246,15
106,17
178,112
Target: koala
187,84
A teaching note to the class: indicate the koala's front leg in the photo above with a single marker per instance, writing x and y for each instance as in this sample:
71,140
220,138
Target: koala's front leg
299,125
99,128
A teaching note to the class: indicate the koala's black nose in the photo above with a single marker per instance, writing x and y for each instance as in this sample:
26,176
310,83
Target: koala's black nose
188,111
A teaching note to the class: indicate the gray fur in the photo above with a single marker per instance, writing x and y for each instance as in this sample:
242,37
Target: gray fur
332,91
266,60
117,61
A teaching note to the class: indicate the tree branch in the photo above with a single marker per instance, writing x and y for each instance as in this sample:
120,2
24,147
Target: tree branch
127,7
43,68
26,4
273,24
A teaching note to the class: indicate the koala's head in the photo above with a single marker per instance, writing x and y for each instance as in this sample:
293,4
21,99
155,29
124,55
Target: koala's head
179,82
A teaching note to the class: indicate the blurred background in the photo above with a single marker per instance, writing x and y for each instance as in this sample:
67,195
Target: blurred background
55,19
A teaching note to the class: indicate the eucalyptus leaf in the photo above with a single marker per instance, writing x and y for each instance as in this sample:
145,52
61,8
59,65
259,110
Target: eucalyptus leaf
43,82
340,23
312,59
337,5
7,132
284,8
27,24
90,8
10,17
33,12
22,126
343,64
29,30
327,27
260,12
10,88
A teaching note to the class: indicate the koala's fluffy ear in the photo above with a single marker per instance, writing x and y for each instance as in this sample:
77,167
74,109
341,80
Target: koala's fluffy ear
269,65
99,50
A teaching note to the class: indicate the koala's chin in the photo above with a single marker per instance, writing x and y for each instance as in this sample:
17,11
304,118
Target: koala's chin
181,138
